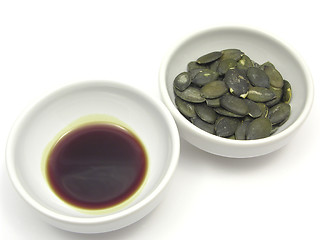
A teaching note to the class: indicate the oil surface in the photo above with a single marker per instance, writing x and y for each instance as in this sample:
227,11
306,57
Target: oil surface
96,166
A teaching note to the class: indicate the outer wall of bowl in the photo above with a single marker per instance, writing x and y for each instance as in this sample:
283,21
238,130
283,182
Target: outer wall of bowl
107,226
226,147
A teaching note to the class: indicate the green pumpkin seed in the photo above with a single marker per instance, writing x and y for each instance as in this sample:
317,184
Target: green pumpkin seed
204,77
194,65
233,137
234,104
279,113
194,72
275,77
259,128
237,82
266,64
260,94
241,130
210,57
186,108
224,112
214,102
203,125
214,65
182,81
226,126
206,113
244,63
264,109
234,54
282,122
278,125
287,92
253,108
248,118
214,89
277,99
257,77
191,94
225,65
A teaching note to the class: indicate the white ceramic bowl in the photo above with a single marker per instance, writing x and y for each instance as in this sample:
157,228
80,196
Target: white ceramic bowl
260,47
38,125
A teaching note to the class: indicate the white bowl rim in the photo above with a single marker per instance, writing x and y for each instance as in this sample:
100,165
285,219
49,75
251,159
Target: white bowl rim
95,219
209,137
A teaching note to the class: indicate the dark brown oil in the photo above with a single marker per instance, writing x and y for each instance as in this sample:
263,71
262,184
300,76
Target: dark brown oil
96,166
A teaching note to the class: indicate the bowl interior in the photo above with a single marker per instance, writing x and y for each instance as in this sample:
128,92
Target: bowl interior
257,45
43,121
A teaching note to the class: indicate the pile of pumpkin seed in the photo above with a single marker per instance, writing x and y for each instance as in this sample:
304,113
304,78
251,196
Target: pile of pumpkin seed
227,94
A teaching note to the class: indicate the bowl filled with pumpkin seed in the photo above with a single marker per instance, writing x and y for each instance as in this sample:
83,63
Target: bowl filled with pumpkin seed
236,91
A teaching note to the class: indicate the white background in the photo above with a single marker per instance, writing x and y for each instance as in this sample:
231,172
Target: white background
44,44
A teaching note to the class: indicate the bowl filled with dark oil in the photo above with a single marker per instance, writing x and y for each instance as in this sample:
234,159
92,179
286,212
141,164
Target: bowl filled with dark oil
86,161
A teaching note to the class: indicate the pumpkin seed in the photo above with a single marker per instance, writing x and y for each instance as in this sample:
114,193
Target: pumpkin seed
214,65
241,130
237,82
287,92
260,94
244,63
210,57
253,108
186,108
278,125
214,89
182,81
194,65
264,109
226,126
234,104
275,77
277,99
225,65
206,113
203,125
257,77
259,128
266,64
224,112
248,118
195,71
191,94
204,77
232,137
282,122
215,102
279,113
234,54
